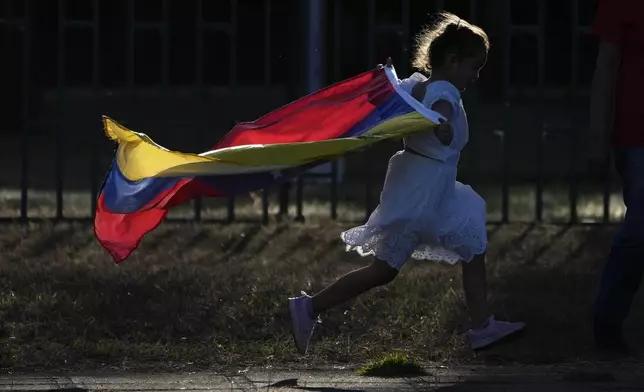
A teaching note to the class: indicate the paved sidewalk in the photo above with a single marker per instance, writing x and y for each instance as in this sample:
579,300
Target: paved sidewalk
578,377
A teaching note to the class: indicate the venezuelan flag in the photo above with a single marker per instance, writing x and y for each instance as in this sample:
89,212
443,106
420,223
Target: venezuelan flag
146,180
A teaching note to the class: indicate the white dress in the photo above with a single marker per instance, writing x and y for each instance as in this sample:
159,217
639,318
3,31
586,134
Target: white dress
424,213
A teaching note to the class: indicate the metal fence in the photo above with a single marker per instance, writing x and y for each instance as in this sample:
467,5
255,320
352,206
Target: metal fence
388,32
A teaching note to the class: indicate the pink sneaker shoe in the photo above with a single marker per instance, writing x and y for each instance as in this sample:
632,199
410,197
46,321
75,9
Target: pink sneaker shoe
302,321
492,332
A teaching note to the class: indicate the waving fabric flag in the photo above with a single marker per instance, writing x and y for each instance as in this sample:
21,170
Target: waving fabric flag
146,180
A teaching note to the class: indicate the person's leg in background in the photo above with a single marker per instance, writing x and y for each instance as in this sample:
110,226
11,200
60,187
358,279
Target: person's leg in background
624,268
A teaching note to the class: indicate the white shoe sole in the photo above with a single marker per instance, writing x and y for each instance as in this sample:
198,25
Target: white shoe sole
492,340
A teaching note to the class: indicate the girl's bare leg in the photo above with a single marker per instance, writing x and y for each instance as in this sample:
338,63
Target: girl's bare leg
485,330
354,283
304,310
475,287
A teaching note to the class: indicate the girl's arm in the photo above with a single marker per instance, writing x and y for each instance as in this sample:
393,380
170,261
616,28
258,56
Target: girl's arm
444,131
418,91
443,108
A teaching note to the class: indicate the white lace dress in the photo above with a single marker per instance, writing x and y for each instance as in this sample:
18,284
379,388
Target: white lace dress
424,213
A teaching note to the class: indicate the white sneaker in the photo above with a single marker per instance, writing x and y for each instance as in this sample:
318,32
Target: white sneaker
492,332
302,321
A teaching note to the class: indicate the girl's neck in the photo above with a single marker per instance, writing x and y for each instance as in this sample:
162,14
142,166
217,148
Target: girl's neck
438,76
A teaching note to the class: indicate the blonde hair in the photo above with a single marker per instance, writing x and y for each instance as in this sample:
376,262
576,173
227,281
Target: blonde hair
448,34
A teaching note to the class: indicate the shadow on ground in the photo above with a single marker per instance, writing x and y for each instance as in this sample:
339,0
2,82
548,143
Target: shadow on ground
198,296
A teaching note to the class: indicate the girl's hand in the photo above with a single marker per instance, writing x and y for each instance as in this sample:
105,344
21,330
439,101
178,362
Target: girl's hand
445,133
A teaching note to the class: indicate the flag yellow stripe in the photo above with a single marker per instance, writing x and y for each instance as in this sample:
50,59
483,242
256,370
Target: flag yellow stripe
140,157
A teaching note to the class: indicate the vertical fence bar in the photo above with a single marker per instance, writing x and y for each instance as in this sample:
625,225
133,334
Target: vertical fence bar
337,75
26,124
199,44
545,128
6,8
59,132
267,42
233,42
305,14
505,189
131,26
573,195
283,189
164,30
574,61
574,139
315,15
334,189
506,181
284,192
299,183
60,156
405,33
541,135
265,206
96,72
474,11
198,204
59,171
607,177
197,209
165,38
337,40
371,31
299,217
507,43
315,45
233,76
541,45
607,184
231,209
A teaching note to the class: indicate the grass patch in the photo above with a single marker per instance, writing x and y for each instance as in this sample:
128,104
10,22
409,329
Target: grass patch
392,365
203,296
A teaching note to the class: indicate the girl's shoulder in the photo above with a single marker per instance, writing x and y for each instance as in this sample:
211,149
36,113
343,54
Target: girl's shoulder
408,84
427,91
441,90
444,88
